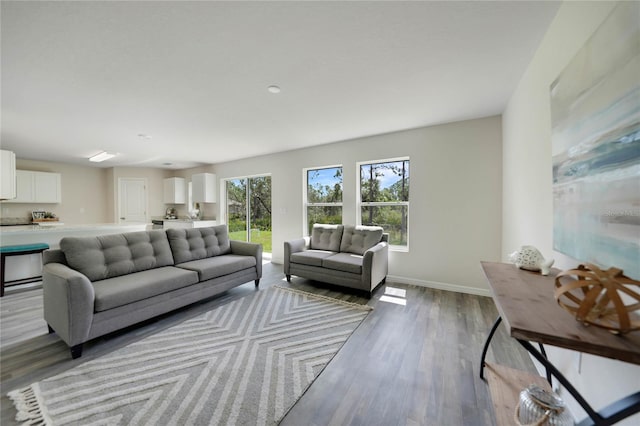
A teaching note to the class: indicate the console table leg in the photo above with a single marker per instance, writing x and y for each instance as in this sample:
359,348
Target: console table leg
544,354
486,344
614,412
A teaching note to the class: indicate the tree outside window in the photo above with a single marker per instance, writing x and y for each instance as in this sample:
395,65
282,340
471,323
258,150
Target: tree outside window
249,210
323,196
384,198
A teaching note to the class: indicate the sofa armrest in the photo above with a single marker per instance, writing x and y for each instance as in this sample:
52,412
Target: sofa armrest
244,248
53,256
375,264
294,246
68,302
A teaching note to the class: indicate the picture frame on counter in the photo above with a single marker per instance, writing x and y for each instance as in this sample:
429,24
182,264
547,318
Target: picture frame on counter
43,216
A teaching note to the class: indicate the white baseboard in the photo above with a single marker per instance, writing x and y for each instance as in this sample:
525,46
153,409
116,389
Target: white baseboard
439,286
423,283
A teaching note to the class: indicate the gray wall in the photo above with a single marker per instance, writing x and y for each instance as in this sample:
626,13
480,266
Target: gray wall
528,202
455,200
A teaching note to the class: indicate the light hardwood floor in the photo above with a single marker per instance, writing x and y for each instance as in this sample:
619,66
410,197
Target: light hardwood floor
413,361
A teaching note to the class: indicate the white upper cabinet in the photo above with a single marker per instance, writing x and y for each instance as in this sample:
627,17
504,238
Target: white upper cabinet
7,175
47,187
25,191
203,188
174,191
37,187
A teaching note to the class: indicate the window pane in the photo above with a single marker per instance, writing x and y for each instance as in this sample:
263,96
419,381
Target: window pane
324,185
382,182
393,219
331,215
237,209
260,211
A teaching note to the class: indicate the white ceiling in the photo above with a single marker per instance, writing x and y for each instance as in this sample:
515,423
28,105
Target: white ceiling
82,77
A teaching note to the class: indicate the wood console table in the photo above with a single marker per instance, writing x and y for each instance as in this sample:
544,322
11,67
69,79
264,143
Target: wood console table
530,313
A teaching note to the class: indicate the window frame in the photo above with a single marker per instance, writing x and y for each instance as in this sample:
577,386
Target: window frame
305,196
360,204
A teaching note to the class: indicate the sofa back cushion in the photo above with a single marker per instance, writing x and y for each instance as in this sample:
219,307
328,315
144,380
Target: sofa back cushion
358,239
198,243
109,256
326,237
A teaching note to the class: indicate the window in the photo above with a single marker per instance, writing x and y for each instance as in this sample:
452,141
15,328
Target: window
248,204
323,196
384,198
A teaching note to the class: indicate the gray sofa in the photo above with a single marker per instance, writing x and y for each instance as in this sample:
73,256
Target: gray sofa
345,255
95,285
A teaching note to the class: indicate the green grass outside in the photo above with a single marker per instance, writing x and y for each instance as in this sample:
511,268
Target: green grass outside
257,236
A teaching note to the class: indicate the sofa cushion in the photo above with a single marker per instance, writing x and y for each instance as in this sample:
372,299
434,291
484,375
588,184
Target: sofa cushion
198,243
119,291
326,237
310,257
213,267
358,239
109,256
347,262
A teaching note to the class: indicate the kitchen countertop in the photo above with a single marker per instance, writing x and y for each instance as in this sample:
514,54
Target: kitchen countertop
27,234
57,227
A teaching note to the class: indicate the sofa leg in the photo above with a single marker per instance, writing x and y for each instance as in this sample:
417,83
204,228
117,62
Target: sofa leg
51,330
257,282
288,278
76,351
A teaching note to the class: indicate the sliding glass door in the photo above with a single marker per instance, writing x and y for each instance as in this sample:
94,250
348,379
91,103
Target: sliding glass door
249,210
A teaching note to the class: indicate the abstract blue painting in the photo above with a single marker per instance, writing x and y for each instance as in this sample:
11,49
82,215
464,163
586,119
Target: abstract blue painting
595,118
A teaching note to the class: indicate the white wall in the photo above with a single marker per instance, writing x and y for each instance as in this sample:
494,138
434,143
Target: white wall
155,188
90,194
527,194
455,198
83,194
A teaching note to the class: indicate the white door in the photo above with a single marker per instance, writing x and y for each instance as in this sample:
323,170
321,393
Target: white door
132,200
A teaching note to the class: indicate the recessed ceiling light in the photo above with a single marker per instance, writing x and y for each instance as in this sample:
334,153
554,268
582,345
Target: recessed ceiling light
102,156
273,89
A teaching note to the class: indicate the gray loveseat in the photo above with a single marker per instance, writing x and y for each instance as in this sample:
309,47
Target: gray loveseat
345,255
95,285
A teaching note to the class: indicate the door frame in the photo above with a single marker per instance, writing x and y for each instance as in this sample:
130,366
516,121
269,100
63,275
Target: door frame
222,205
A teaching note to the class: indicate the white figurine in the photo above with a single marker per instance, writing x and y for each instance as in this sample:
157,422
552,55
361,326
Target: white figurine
529,258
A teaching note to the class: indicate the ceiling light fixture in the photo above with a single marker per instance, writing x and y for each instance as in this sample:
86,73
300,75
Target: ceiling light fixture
101,157
273,89
144,136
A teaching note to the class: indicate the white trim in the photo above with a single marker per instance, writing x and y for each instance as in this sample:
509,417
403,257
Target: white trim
383,203
438,285
324,204
384,160
222,201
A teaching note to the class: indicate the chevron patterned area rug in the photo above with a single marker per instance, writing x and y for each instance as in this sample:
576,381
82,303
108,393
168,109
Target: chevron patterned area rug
246,363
